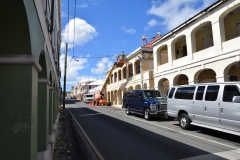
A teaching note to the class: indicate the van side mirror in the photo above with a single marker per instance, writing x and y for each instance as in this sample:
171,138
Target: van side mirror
236,99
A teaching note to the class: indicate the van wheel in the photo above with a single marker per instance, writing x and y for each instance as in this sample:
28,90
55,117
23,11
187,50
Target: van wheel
128,111
184,121
146,115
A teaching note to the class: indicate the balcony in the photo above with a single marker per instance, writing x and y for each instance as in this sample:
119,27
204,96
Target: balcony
208,52
231,44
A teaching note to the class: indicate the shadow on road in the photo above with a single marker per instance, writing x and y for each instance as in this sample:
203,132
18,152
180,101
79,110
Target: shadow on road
106,131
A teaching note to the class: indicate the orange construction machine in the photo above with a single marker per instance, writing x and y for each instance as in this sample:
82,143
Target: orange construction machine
99,98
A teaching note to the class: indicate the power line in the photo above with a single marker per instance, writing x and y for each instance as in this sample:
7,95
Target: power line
74,26
68,22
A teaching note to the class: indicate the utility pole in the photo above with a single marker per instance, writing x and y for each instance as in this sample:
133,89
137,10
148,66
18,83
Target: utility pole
64,83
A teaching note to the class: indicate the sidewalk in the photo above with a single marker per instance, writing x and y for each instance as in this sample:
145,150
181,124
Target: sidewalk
116,106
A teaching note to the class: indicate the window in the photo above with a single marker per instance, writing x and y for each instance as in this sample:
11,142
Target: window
124,73
137,65
185,93
149,94
171,93
112,78
135,94
115,77
130,70
200,91
233,78
229,92
119,75
211,93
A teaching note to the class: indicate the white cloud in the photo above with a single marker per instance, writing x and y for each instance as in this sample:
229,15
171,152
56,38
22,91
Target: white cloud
84,32
174,12
72,76
151,24
83,5
103,65
126,30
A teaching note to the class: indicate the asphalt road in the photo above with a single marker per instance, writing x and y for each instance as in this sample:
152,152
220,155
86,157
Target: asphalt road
114,135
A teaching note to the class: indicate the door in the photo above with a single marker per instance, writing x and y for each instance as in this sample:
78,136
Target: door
140,102
211,106
198,105
229,111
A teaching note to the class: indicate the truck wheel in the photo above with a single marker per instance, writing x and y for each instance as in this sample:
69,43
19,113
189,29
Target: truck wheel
184,121
146,115
128,111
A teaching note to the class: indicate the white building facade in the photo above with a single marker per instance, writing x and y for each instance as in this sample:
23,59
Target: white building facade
206,48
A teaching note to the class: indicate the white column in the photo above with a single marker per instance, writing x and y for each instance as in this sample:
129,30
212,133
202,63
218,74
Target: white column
155,61
193,81
170,58
217,37
222,78
189,46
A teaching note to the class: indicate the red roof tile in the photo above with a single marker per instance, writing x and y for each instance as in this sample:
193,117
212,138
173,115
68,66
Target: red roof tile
149,44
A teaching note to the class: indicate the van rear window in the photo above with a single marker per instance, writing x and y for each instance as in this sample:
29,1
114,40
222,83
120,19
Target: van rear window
185,93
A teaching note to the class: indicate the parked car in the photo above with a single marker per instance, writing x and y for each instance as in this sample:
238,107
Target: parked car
145,102
210,105
88,98
72,97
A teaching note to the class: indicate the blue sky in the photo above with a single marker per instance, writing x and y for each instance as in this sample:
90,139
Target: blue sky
101,29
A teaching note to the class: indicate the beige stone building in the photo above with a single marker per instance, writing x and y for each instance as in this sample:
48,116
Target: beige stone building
136,73
205,48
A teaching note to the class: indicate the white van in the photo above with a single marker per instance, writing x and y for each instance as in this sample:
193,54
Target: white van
211,105
88,98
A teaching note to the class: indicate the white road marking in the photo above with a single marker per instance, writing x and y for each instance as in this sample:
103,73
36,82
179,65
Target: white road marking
90,114
88,139
232,155
173,130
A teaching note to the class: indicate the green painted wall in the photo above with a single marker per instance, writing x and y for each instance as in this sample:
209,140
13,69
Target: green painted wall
18,116
50,111
43,116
